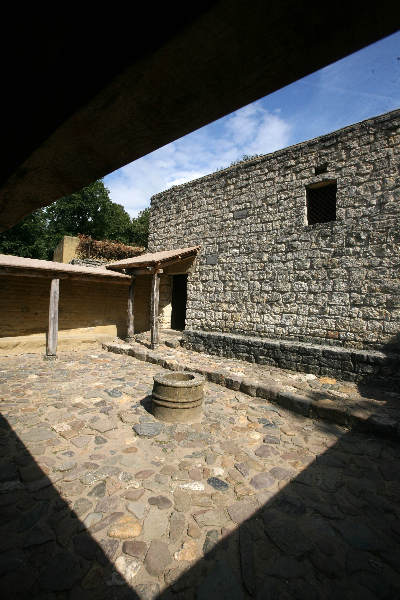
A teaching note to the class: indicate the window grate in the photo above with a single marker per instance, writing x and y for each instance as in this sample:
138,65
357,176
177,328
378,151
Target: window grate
321,203
319,169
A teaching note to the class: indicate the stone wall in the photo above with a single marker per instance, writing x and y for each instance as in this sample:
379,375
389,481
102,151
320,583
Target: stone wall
344,363
263,271
66,249
165,306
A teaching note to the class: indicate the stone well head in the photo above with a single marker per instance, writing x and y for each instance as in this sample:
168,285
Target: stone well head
178,397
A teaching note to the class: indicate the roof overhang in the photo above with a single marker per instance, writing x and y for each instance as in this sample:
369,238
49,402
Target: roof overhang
154,260
30,267
82,98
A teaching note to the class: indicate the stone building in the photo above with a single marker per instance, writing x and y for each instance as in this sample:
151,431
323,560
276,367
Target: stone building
299,261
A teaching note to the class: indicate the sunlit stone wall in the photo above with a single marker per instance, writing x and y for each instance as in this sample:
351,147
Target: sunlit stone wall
264,272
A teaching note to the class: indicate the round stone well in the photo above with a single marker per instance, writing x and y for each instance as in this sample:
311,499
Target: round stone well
178,397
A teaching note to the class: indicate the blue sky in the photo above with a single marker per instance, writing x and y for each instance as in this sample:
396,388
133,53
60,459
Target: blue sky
362,85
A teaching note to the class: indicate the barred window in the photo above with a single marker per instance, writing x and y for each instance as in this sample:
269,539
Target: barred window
321,203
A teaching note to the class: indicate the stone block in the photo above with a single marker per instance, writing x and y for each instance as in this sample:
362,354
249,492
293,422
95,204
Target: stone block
233,382
295,402
249,386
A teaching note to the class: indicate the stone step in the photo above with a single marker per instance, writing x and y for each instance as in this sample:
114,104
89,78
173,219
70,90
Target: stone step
354,417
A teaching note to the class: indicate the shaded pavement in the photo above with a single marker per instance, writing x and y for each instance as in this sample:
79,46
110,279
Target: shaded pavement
98,500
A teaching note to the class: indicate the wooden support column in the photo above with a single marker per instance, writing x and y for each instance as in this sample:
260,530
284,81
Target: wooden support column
52,334
131,308
154,302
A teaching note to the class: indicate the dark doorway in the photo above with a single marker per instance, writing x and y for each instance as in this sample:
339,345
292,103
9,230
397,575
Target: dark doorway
179,297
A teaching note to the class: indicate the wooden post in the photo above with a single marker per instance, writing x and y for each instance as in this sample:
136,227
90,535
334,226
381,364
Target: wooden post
52,334
131,308
155,291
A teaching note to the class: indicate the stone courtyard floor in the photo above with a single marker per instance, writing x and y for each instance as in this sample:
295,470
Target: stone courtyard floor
98,500
369,405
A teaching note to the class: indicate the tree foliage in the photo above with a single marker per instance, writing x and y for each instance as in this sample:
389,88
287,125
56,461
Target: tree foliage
140,228
28,238
88,212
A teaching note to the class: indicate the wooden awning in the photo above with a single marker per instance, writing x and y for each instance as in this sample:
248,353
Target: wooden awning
32,267
155,259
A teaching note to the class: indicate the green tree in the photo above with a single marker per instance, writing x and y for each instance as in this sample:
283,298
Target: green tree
139,231
28,238
89,211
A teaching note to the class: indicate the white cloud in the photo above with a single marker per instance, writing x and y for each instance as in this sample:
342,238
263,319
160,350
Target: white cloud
250,130
361,85
185,177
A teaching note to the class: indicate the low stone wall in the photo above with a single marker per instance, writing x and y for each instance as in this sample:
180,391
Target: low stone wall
342,363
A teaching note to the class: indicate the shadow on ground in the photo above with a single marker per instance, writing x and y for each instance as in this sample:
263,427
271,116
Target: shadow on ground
46,552
331,532
384,377
146,402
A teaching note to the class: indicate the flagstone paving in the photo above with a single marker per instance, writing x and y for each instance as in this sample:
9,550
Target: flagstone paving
369,405
99,500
